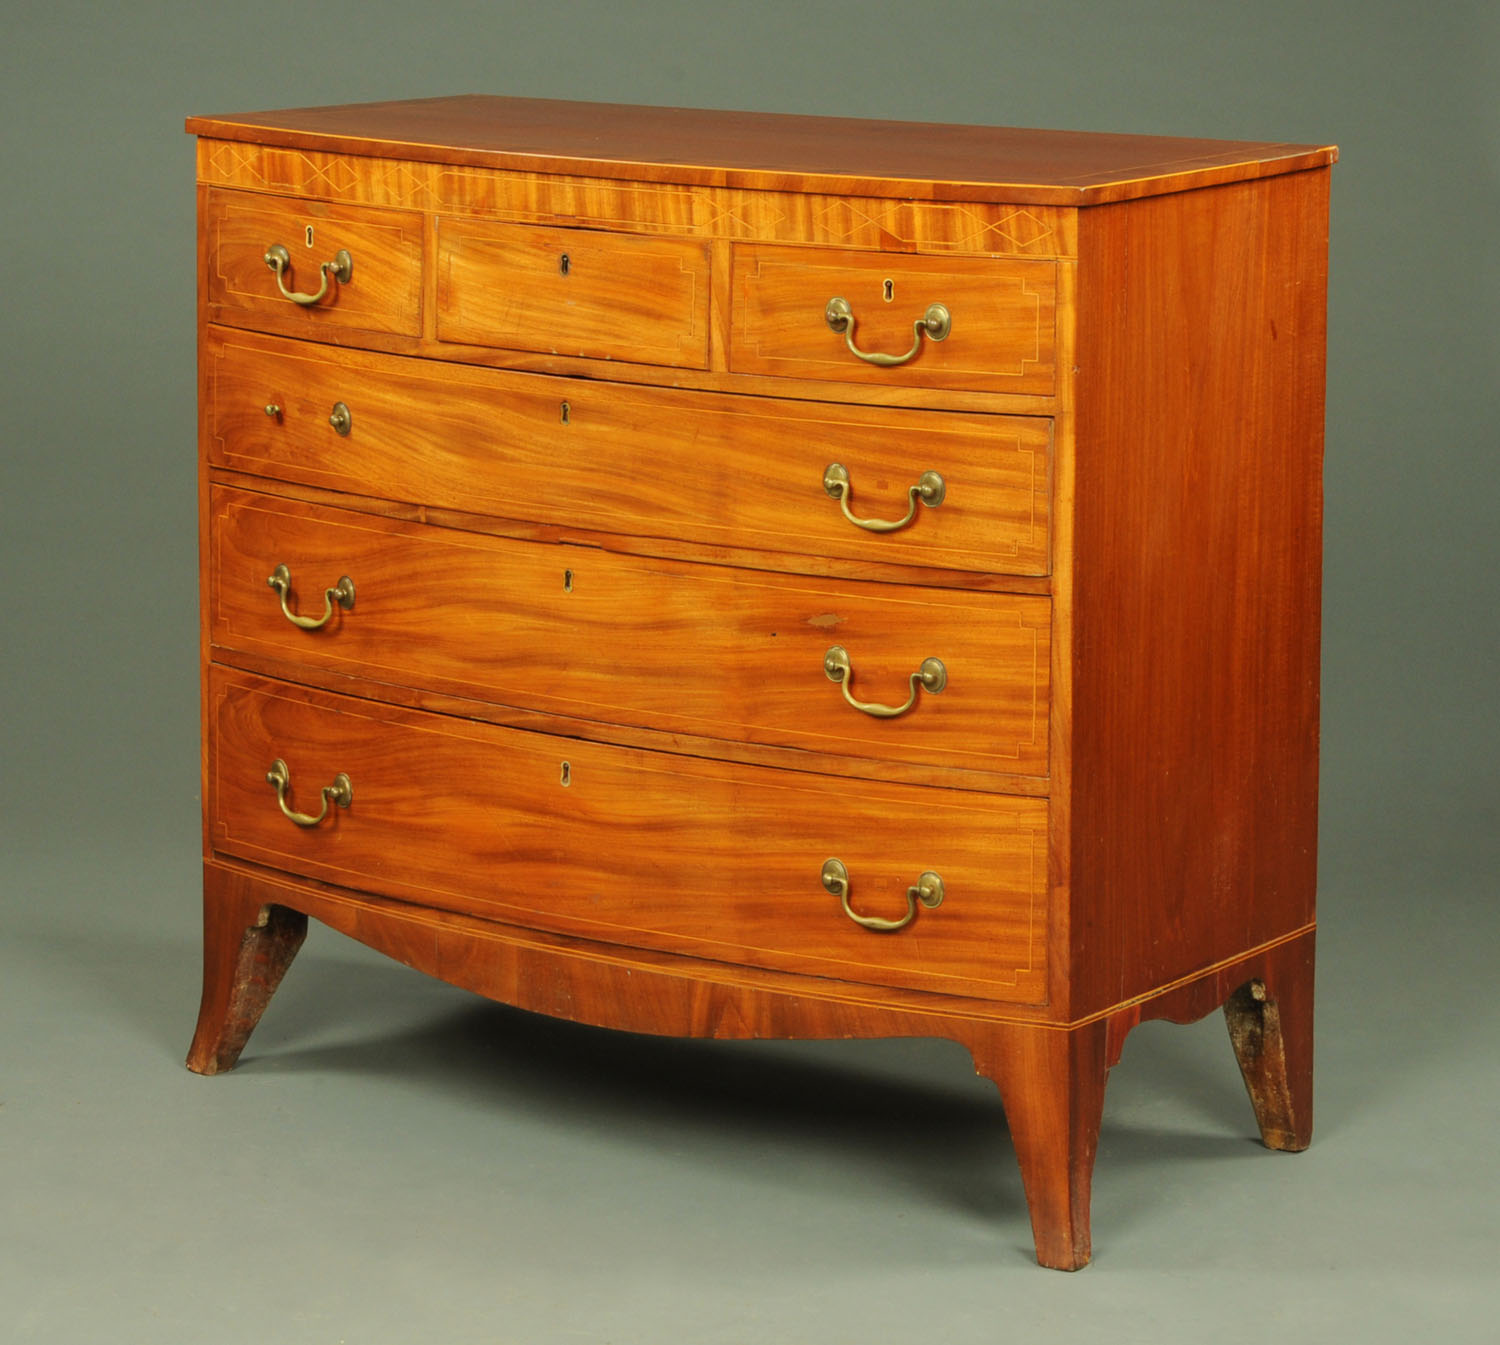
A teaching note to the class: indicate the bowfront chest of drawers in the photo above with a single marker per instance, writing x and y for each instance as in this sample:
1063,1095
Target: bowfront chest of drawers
737,576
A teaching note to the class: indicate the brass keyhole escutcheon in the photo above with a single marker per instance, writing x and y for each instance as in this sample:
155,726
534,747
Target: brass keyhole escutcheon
564,264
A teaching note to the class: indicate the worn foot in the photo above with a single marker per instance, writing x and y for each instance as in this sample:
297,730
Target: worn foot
1270,1027
247,948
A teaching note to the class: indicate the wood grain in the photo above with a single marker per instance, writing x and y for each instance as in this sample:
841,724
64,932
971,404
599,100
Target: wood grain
721,213
1197,542
625,373
644,990
1060,749
631,460
1004,318
640,848
351,680
696,649
768,151
203,264
384,291
573,292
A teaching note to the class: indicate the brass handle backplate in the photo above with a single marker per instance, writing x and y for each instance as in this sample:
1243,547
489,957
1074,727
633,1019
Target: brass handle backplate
279,260
341,593
934,324
928,890
931,677
341,792
929,490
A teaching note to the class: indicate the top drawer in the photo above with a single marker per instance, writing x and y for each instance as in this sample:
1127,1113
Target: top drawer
995,330
379,290
573,292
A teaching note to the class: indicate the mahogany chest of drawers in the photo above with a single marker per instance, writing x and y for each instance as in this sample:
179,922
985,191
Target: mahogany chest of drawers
736,575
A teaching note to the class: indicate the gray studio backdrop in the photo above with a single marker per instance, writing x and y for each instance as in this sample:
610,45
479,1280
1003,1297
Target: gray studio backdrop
98,723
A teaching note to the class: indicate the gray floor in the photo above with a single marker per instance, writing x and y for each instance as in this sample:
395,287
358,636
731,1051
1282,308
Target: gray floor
397,1161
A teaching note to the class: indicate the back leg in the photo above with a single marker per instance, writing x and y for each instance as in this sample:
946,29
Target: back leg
1270,1026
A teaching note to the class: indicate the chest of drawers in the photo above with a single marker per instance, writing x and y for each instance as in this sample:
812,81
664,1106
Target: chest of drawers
734,576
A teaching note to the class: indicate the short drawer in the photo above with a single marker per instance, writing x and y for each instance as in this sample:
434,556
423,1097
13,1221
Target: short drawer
737,655
997,319
638,848
734,471
337,266
573,292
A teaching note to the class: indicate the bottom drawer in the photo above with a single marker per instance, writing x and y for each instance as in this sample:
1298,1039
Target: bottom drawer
646,849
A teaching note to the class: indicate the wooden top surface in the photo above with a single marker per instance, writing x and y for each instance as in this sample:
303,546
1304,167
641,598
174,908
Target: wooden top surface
768,151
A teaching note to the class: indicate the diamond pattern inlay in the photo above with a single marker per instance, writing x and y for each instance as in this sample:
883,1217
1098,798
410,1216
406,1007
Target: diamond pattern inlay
644,207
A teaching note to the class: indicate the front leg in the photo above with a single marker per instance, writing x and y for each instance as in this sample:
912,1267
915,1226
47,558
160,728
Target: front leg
247,948
1051,1082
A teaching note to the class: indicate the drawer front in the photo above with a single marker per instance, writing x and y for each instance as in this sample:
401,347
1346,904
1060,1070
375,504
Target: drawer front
573,292
731,654
1001,333
633,847
383,289
721,470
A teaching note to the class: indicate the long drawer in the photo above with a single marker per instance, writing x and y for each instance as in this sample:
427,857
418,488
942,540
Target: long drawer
747,472
685,648
646,849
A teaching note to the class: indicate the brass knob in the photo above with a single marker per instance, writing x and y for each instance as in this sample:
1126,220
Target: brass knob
341,418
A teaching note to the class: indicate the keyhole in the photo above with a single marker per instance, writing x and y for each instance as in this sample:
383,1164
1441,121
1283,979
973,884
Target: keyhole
563,263
567,775
567,581
566,412
890,290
